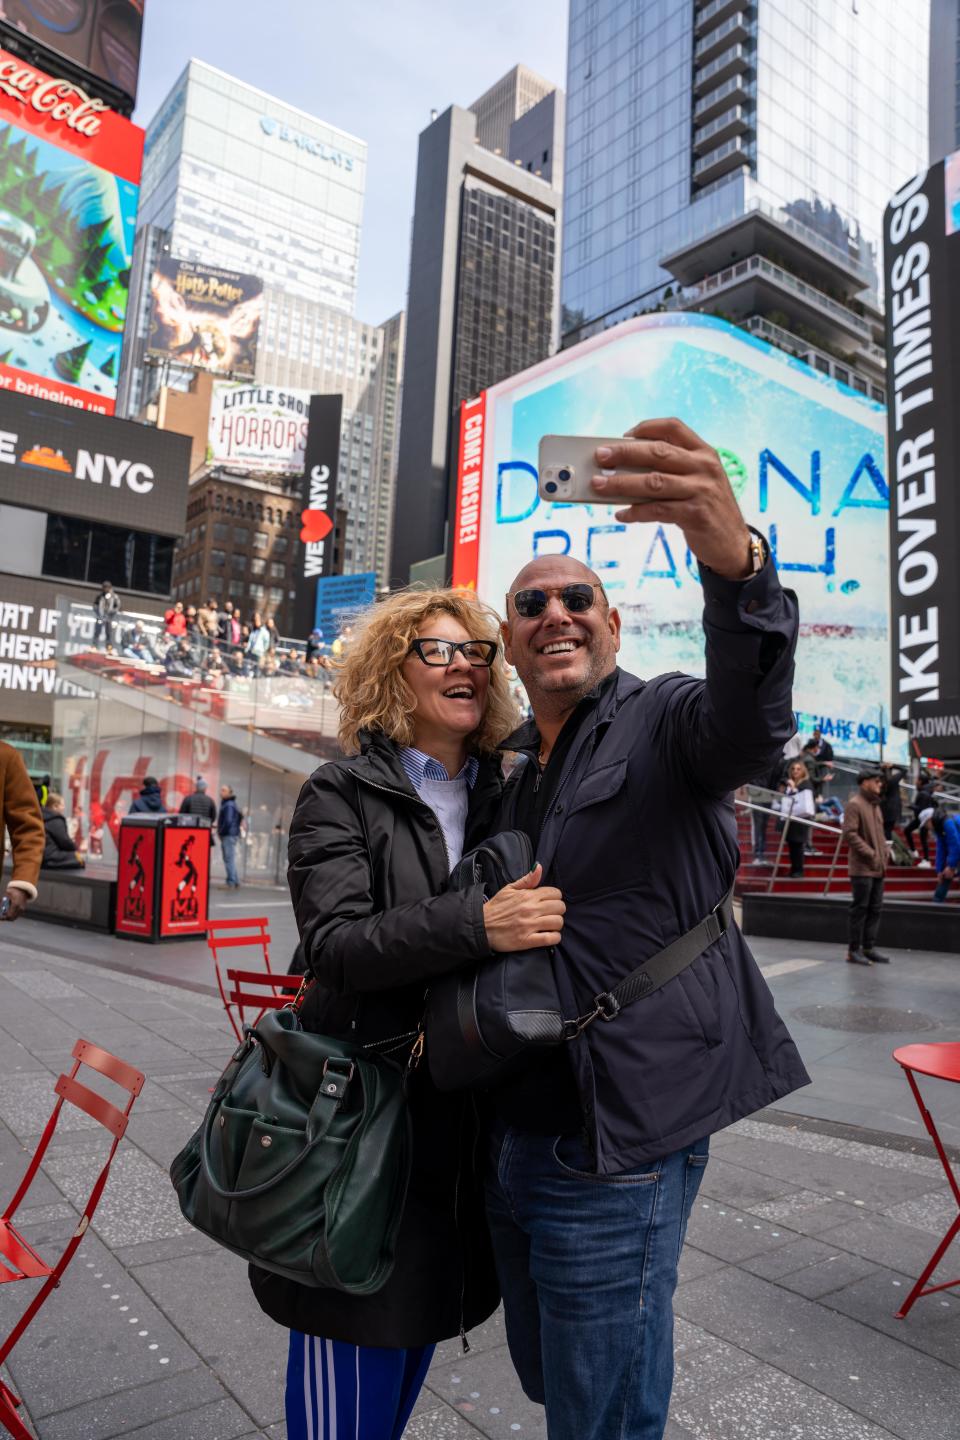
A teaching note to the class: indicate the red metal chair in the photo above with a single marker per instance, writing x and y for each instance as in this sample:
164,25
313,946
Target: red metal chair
242,990
18,1259
942,1061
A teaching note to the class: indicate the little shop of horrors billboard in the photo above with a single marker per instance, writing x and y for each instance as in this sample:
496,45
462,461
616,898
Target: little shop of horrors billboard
805,456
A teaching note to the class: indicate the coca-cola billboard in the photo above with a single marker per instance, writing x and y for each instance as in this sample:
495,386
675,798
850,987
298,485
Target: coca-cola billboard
69,185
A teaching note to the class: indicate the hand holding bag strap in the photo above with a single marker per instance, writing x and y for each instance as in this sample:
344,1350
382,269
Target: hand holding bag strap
325,1106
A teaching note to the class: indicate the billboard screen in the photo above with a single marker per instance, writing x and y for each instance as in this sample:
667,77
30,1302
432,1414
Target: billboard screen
205,317
805,455
98,38
321,467
69,178
69,462
922,272
259,427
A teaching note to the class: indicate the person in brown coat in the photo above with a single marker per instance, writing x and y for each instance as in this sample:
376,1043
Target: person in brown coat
20,817
867,858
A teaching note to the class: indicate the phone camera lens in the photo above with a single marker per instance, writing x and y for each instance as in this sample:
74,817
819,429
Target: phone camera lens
563,475
551,487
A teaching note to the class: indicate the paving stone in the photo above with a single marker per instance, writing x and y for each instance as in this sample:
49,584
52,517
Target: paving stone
694,1263
162,1134
702,1361
730,1234
175,1396
27,1100
823,1348
484,1390
488,1336
442,1423
815,1143
808,1211
934,1212
769,1405
828,1275
148,1252
899,1247
138,1203
42,985
223,1420
737,1186
788,1258
933,1325
208,1298
876,1185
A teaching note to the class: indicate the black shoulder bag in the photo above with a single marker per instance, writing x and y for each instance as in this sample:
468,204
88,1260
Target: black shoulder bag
481,1020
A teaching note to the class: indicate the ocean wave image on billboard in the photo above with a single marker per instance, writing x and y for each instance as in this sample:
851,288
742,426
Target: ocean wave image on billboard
66,243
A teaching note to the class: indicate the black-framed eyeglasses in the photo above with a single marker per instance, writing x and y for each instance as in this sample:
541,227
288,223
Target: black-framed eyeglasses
440,652
576,598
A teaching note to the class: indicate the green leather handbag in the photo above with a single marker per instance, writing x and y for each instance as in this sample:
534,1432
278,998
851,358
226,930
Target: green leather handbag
303,1159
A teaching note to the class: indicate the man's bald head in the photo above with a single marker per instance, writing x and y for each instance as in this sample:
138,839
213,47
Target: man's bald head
547,571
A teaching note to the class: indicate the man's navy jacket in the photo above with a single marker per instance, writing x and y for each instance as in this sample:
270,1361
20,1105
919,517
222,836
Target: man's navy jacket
641,840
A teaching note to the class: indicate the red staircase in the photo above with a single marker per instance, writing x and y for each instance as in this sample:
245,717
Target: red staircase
904,882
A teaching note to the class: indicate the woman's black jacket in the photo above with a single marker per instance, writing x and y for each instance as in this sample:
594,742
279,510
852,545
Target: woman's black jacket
375,931
59,850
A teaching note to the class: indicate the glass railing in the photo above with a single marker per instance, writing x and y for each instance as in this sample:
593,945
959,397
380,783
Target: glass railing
758,264
819,359
716,127
713,158
706,13
728,88
709,43
735,55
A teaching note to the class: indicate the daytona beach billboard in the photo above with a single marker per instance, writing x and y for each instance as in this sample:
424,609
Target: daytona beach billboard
69,178
806,459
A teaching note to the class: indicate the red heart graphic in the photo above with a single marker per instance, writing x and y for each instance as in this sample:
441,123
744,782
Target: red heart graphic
316,526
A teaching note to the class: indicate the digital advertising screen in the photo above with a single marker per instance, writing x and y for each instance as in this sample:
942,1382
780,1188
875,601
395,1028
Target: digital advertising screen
97,38
69,183
806,459
205,317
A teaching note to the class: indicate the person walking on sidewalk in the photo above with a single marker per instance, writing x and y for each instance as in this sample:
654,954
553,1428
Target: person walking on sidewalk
598,1147
198,802
20,818
229,827
867,856
424,700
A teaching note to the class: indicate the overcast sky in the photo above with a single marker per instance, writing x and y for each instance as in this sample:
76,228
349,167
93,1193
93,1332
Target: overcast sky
374,67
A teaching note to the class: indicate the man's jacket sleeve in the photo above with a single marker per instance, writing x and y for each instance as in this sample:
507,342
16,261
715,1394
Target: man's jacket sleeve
350,944
729,729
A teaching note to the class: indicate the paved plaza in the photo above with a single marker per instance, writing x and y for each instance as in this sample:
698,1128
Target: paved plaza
812,1222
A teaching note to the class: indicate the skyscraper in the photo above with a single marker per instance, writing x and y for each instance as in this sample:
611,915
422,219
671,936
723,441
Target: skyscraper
944,78
481,297
733,157
506,101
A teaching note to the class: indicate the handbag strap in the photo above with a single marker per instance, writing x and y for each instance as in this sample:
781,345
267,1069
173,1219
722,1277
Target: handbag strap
665,965
326,1103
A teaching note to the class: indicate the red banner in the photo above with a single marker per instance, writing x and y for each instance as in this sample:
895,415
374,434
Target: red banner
184,880
135,873
466,533
62,113
20,383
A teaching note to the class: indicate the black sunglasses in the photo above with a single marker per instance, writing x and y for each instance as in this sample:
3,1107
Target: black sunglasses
575,598
441,652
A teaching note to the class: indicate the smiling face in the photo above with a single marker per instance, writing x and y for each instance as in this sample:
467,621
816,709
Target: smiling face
798,772
559,656
450,698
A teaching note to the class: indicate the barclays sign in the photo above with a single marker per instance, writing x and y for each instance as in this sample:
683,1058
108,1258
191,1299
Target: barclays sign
280,131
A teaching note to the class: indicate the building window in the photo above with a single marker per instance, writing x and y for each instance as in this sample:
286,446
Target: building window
215,584
241,535
277,572
76,549
221,532
276,595
217,557
257,567
280,545
238,564
261,540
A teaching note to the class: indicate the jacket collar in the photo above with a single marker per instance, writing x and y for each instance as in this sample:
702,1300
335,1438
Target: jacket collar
379,764
526,739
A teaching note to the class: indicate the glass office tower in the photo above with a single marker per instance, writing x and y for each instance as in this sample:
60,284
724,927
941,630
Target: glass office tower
737,157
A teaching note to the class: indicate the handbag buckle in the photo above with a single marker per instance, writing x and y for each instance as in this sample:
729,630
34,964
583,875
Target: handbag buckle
336,1086
608,1006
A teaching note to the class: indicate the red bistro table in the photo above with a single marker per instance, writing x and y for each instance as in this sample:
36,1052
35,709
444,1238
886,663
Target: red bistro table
942,1062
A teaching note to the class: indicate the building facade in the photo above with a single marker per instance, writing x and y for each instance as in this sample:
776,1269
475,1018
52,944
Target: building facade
736,158
481,303
506,101
944,78
237,178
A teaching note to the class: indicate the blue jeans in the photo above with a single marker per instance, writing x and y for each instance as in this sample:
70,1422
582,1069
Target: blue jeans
588,1266
229,843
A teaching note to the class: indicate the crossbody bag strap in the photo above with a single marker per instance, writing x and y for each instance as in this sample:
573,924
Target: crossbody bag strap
654,973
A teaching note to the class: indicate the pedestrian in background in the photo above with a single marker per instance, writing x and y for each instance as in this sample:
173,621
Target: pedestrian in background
149,801
924,805
796,802
198,802
20,818
229,828
175,621
60,850
867,857
891,801
106,608
947,830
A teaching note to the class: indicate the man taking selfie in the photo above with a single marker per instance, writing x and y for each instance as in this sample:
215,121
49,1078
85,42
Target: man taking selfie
598,1150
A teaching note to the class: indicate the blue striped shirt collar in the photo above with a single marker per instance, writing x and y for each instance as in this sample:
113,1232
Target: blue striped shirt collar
420,767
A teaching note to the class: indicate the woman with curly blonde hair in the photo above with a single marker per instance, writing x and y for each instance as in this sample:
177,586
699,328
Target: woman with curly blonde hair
424,703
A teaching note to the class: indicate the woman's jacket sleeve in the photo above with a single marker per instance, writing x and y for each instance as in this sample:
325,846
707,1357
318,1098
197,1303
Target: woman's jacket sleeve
350,945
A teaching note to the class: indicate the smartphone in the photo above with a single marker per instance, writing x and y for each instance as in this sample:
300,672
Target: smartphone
567,464
4,907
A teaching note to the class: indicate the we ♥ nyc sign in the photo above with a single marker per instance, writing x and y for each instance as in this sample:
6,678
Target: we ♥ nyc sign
315,526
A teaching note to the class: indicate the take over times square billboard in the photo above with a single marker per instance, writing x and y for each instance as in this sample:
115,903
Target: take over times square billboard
69,181
806,459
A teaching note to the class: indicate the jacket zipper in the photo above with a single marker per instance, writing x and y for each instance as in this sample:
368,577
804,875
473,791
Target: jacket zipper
389,790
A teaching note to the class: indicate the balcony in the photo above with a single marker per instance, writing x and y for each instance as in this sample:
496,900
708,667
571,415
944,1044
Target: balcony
735,28
763,228
817,359
734,60
715,11
731,91
732,122
756,284
720,161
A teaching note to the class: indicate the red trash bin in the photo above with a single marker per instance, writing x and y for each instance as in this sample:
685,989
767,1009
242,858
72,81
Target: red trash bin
163,877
